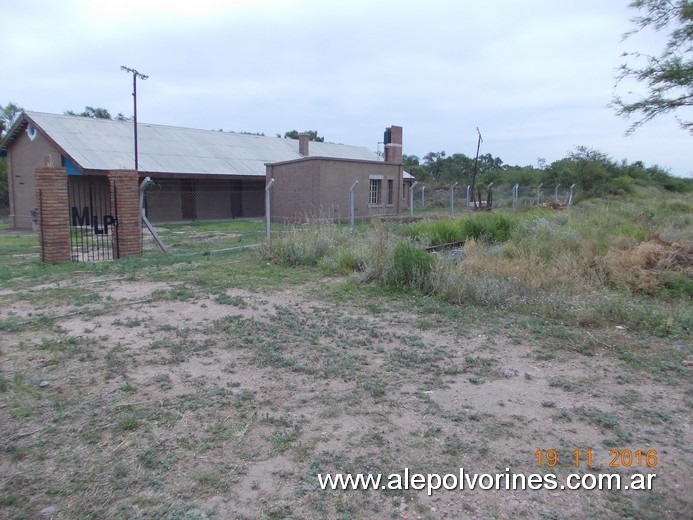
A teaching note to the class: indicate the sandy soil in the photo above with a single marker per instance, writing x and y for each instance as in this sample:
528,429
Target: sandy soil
156,407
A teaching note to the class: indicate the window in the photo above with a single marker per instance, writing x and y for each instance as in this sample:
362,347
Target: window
390,191
375,188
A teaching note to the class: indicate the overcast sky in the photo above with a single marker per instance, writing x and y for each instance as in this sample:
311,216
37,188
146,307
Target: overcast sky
536,76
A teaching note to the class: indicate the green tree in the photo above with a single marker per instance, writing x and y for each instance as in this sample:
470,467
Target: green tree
312,135
458,167
97,113
488,163
8,115
412,165
509,175
591,169
668,76
434,162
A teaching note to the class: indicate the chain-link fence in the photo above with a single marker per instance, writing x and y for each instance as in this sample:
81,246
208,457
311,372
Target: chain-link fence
199,216
205,237
458,198
192,200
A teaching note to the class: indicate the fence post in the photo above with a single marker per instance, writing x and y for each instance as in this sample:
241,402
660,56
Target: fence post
539,193
423,200
452,198
352,210
555,197
570,197
516,190
146,183
411,197
267,207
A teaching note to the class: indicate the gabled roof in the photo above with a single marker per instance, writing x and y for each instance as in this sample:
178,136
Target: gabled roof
103,144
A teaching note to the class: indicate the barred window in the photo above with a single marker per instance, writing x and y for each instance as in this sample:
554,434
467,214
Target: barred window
390,191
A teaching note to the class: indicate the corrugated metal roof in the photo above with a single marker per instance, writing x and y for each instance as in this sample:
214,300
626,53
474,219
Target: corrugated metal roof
102,144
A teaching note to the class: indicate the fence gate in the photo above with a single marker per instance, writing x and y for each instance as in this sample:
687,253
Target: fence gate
93,227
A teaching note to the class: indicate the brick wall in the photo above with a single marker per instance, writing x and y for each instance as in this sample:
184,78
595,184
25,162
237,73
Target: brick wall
317,188
23,157
125,202
52,215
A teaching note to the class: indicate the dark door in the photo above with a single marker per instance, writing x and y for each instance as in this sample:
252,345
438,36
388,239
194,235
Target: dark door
187,199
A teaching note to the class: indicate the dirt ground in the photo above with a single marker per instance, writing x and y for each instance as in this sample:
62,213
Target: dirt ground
143,399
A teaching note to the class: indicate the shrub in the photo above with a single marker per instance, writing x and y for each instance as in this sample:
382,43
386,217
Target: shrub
445,232
622,186
494,228
344,260
677,285
438,232
411,267
303,247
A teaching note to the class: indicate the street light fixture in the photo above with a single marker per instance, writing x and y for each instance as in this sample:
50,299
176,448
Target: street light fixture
135,75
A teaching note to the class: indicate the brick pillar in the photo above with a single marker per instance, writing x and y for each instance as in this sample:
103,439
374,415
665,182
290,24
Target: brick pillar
125,203
53,214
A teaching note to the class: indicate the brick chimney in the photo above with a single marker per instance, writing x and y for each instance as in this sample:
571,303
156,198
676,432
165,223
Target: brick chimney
393,144
303,146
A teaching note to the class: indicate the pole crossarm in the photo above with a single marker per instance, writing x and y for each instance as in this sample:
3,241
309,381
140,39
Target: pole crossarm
134,71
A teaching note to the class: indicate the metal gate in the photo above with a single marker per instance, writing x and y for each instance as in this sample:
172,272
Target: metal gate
93,226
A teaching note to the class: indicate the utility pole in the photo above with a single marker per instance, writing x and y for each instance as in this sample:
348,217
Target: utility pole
135,75
476,163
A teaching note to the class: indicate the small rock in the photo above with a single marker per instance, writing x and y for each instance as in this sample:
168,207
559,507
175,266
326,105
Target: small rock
44,384
47,511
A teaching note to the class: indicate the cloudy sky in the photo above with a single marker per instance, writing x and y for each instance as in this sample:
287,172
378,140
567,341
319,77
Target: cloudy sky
536,76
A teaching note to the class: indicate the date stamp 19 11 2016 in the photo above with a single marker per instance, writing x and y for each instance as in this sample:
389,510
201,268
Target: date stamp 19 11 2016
625,458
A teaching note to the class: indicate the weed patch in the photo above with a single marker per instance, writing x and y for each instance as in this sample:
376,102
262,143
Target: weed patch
411,267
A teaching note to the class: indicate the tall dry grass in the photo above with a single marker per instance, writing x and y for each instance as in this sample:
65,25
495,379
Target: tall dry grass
599,262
